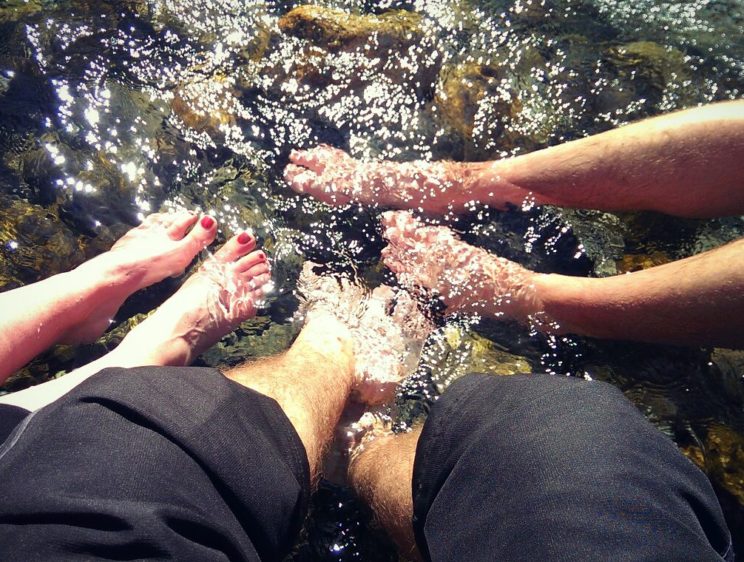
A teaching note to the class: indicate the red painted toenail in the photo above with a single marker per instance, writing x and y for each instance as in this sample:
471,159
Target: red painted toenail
261,256
244,238
207,222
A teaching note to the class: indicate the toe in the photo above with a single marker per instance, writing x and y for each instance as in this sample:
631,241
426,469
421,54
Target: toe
310,159
180,222
393,265
259,281
257,269
300,179
254,258
237,247
153,219
395,219
202,234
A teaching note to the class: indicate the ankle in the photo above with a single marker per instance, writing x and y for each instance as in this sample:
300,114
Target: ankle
107,279
327,337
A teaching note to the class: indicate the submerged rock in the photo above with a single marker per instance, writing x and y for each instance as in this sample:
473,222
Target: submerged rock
722,458
338,74
472,100
600,236
455,351
655,72
637,262
13,10
34,243
335,29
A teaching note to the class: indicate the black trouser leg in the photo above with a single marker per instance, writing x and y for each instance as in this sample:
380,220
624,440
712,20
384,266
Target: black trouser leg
153,462
551,468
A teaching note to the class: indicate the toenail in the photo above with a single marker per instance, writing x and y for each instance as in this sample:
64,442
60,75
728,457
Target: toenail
244,238
207,222
261,256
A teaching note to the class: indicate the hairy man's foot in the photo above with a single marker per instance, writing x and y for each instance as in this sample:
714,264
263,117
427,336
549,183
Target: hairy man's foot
225,291
334,177
386,327
468,279
162,246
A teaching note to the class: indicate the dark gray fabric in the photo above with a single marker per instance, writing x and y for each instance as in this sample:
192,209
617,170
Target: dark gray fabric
154,463
554,468
10,417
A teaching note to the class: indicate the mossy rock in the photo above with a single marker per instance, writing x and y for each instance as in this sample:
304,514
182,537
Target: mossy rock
206,105
255,338
457,351
600,236
653,71
14,10
486,105
335,29
638,262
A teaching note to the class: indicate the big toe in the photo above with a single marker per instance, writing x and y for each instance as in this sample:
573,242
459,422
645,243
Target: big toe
202,235
178,223
236,247
298,178
310,159
396,223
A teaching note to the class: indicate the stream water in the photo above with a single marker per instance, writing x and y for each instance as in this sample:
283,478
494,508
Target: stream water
111,109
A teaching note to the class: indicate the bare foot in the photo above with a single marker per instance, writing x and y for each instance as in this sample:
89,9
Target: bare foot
160,247
224,292
386,327
331,175
468,279
370,426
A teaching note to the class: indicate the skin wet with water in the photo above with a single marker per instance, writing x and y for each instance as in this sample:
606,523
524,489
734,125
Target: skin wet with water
113,110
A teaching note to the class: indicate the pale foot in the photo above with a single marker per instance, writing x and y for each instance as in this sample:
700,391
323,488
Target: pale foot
160,247
466,278
334,177
386,326
224,292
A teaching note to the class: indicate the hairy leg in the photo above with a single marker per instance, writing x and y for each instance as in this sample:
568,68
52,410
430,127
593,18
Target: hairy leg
381,473
211,303
77,306
694,301
641,166
311,382
332,176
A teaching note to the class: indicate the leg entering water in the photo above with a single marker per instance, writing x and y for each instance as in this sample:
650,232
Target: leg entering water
224,292
77,306
387,327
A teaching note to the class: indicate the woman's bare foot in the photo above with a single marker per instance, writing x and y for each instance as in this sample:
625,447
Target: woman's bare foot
225,291
386,327
160,247
468,279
